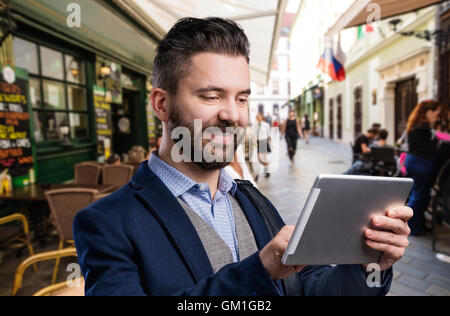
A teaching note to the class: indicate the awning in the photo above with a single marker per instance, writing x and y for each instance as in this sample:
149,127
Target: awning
261,20
361,10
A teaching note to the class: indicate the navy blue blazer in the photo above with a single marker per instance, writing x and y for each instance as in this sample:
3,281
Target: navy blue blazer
139,241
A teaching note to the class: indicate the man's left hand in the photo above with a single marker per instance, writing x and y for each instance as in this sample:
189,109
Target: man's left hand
390,235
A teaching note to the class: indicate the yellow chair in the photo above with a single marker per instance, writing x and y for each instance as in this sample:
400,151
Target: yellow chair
9,236
73,287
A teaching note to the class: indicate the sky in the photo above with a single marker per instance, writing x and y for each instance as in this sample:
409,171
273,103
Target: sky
293,6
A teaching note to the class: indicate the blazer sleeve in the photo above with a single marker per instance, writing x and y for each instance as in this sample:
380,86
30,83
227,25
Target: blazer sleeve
342,280
104,254
106,258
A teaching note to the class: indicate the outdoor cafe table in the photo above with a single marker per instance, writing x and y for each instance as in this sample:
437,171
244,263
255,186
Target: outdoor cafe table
36,192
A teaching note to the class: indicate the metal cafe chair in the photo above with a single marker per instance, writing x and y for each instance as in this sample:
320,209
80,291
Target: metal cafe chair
117,174
441,200
16,236
87,173
74,287
64,204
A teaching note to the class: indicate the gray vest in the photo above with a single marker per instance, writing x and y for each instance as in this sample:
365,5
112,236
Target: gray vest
218,252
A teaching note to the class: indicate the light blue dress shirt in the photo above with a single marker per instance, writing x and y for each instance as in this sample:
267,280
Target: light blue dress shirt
218,213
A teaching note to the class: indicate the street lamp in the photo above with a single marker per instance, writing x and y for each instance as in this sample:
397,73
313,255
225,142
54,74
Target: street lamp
64,129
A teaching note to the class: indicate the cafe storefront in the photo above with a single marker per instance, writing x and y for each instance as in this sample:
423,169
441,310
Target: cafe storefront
87,87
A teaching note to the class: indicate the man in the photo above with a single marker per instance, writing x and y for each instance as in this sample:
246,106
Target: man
261,130
361,153
382,138
185,228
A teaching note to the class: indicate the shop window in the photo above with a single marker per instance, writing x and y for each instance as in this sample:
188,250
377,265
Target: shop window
52,63
25,55
57,90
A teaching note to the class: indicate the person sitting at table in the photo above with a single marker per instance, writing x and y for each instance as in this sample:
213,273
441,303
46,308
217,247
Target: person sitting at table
382,139
114,159
361,153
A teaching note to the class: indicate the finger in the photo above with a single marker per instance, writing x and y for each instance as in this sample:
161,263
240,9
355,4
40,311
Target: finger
404,213
387,238
397,226
390,251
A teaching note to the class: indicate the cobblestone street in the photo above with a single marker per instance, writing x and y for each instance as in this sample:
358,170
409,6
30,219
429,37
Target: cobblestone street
418,273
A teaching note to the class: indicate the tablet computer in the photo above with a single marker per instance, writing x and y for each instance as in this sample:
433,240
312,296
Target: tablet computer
338,210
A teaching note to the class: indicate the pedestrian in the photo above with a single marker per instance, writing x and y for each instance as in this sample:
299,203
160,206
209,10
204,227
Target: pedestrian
421,161
262,131
306,127
292,132
187,228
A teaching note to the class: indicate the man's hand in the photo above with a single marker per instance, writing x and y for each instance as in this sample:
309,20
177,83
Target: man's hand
271,255
391,235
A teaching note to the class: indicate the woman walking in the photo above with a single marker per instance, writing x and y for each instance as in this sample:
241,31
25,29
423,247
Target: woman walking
306,127
421,160
292,131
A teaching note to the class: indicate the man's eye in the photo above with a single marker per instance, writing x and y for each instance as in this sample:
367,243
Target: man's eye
243,101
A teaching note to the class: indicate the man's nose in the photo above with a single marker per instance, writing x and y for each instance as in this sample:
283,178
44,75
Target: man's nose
229,111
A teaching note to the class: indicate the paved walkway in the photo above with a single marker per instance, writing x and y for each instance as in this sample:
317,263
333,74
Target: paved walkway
418,273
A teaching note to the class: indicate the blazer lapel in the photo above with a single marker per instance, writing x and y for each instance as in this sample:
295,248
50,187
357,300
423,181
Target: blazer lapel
152,192
257,224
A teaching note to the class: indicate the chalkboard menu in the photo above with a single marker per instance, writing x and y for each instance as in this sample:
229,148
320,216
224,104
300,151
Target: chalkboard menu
103,120
16,152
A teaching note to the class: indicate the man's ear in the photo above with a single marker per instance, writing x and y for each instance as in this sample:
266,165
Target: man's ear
160,105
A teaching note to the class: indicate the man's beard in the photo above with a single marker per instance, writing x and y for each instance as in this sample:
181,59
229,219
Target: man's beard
176,120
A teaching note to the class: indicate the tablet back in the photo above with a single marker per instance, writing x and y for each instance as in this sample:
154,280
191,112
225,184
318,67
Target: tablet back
337,211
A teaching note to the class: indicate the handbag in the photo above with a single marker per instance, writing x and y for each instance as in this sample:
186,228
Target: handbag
291,285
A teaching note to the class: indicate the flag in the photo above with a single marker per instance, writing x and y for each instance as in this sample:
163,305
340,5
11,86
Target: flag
330,65
369,28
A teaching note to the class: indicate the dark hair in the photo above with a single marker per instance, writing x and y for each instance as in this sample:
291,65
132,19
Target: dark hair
113,159
372,131
383,134
191,36
376,125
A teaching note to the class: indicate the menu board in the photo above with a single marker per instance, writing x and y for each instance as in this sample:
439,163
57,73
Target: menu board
103,121
16,152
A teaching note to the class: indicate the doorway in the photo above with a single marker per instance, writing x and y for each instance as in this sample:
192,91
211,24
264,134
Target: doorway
405,102
123,122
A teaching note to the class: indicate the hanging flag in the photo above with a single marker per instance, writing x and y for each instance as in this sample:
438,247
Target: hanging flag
369,28
330,65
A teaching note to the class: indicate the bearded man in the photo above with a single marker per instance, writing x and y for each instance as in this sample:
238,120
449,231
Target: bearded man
182,226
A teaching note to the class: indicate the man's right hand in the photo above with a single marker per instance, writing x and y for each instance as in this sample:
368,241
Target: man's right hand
271,255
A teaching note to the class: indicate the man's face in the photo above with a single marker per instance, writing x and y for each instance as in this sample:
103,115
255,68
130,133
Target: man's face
215,91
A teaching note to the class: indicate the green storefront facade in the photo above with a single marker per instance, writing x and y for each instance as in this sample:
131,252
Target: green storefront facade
95,78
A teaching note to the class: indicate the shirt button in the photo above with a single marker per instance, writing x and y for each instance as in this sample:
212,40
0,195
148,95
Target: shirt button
202,188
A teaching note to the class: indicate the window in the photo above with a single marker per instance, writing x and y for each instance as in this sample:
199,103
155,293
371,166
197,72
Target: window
57,90
275,87
260,89
261,108
275,64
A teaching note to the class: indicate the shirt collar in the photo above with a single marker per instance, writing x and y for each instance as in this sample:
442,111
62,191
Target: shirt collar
178,183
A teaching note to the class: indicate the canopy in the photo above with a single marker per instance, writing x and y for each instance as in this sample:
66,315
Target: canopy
361,11
261,20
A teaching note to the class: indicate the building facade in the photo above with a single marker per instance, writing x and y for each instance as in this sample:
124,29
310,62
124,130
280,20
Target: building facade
307,39
84,75
272,99
389,70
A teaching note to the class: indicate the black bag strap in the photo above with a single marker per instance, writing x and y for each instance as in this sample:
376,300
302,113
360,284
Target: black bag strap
292,284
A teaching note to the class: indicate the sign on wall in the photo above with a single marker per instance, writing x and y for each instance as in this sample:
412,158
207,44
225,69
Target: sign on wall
16,151
103,119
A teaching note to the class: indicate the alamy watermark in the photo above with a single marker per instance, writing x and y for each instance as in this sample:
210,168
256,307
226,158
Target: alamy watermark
375,13
74,17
